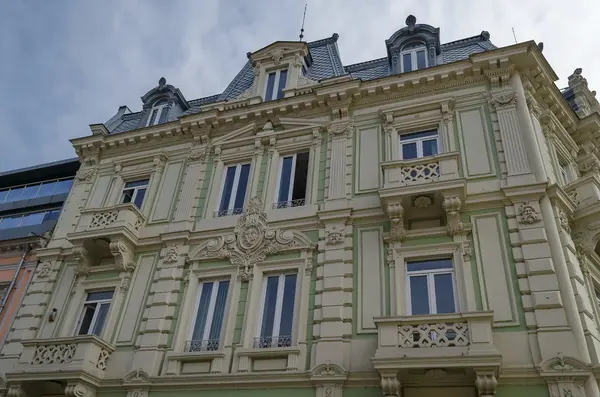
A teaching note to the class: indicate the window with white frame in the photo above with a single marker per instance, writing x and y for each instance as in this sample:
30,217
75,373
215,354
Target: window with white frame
208,318
430,287
134,192
291,186
94,314
158,113
233,190
418,144
565,174
277,311
276,81
413,57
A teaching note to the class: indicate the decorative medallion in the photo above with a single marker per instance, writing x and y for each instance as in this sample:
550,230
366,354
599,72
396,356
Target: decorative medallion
171,255
422,202
333,237
45,270
527,214
251,241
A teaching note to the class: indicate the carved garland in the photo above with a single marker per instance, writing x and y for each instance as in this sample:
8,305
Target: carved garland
251,241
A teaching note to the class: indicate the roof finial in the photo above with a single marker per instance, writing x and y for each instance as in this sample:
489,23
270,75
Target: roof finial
411,20
303,19
162,82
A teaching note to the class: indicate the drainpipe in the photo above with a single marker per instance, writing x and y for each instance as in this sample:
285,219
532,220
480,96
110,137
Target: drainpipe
14,279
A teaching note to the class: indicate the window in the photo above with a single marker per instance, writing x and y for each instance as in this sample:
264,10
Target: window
32,218
277,311
418,144
94,313
293,171
275,84
43,189
134,192
430,287
158,113
233,192
413,58
210,310
565,173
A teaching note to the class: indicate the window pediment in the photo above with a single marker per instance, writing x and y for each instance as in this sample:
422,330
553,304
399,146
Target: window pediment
274,53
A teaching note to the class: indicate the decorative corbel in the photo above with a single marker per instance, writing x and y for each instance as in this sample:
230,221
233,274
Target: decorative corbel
454,226
123,255
390,385
83,259
396,214
486,383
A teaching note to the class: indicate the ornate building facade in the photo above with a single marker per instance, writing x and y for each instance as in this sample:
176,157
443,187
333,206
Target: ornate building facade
416,225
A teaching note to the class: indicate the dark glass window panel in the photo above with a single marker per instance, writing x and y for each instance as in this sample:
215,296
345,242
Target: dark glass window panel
30,192
300,176
51,215
127,196
47,189
419,296
143,182
282,82
287,307
10,222
407,62
100,318
227,188
409,151
139,197
286,176
433,264
163,115
86,321
270,86
153,116
269,307
99,296
418,135
32,219
3,195
444,293
217,321
242,185
421,63
202,312
430,147
63,186
14,194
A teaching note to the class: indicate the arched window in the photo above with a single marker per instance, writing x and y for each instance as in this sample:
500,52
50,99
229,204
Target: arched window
413,57
158,113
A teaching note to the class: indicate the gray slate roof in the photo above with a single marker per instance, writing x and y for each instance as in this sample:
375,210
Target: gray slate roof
326,64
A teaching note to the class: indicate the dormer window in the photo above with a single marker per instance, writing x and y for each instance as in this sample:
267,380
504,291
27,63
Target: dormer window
158,113
413,57
276,81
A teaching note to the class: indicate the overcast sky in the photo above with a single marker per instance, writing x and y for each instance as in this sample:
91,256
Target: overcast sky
70,64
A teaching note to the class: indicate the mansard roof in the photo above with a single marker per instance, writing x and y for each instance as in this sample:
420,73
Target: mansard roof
324,63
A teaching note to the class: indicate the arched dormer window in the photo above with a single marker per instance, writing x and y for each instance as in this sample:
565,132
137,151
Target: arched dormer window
158,113
414,57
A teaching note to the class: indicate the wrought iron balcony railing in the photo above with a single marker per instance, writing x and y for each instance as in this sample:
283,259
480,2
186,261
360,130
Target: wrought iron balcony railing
208,345
265,342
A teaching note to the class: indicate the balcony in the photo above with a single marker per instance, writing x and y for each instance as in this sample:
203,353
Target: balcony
585,194
457,340
433,175
102,232
62,359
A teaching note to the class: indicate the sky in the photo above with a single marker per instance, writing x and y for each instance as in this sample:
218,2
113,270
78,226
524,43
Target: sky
69,64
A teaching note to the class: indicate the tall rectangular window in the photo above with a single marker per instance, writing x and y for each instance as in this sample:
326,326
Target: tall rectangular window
134,192
277,311
275,84
208,320
430,287
418,144
95,311
293,172
413,58
233,191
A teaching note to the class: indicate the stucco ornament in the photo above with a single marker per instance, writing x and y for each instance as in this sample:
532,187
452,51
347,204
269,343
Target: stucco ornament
45,270
251,241
564,221
503,101
528,214
333,236
276,55
171,255
340,130
86,175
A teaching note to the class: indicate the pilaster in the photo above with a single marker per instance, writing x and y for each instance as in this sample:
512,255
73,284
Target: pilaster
192,184
333,301
154,183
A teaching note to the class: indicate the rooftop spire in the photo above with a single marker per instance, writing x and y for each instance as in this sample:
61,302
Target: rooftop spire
303,19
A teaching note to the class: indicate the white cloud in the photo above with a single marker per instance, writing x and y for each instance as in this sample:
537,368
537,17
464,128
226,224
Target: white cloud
71,65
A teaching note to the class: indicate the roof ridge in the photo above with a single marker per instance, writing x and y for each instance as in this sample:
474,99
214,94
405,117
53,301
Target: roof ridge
355,66
199,100
327,40
475,39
